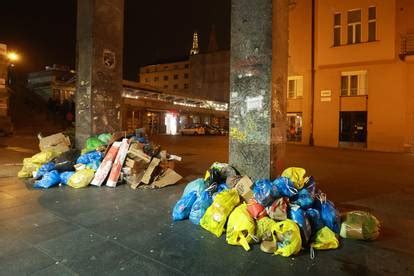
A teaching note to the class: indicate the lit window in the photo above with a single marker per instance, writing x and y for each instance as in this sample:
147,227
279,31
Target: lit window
295,87
354,83
354,26
337,29
372,24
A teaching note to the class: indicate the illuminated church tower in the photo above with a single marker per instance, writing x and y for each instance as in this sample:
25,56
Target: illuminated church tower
195,50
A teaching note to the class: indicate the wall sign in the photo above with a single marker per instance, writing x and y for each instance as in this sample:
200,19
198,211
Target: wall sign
326,93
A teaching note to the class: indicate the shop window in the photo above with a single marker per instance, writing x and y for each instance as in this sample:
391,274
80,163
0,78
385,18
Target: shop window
372,24
295,124
337,29
354,83
354,26
295,87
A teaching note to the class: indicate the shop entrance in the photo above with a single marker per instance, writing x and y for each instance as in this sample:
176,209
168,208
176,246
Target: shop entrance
353,128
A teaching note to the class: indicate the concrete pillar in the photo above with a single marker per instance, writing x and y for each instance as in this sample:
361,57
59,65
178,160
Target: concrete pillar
99,67
258,79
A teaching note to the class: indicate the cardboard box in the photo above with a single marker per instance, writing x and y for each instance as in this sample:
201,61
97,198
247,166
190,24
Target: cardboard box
57,142
244,188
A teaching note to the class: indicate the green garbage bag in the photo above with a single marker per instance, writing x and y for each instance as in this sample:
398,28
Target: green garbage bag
92,143
105,137
360,225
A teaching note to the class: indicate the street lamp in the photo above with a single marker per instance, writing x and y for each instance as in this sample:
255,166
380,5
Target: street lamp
12,57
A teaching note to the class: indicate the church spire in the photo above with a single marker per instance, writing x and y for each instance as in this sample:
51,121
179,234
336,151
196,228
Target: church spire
195,50
212,44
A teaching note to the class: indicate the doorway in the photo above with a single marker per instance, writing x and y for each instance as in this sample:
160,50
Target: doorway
353,128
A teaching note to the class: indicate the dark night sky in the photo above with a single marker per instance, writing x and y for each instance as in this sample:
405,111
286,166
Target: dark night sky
44,31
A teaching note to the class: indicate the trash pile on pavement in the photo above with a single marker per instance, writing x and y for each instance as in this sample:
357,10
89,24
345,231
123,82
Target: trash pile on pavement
285,215
106,158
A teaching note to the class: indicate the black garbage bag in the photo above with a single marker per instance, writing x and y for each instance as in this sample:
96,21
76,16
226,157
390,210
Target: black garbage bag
67,160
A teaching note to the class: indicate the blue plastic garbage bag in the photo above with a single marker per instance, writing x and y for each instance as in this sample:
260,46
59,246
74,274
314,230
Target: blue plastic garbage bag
44,169
310,185
330,216
64,177
50,179
296,214
90,157
285,187
197,185
304,199
182,208
200,207
314,219
262,190
94,165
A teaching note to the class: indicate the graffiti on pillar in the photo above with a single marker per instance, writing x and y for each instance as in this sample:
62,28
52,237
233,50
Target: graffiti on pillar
109,59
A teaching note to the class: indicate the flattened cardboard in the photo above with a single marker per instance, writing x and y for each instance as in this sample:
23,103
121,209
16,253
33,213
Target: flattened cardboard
148,172
169,177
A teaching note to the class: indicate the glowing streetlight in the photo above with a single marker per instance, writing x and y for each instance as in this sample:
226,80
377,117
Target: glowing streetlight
13,56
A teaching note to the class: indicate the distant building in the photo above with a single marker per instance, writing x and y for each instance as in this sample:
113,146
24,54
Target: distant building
56,82
363,72
171,76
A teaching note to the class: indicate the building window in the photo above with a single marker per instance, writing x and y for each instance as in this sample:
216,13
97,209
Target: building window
295,124
146,80
175,86
176,77
186,85
354,83
165,86
372,24
295,87
187,65
165,78
165,67
186,75
337,29
354,26
156,78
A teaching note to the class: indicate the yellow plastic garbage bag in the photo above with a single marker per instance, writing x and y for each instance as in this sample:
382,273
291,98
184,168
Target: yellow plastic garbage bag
266,229
288,236
325,239
240,227
28,168
216,215
33,163
296,175
81,178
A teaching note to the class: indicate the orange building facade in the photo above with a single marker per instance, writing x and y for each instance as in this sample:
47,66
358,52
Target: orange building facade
351,74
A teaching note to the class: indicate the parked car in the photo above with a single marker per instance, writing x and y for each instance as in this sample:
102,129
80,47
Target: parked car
212,130
193,130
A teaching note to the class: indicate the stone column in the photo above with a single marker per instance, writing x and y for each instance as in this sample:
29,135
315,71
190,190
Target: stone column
99,67
258,79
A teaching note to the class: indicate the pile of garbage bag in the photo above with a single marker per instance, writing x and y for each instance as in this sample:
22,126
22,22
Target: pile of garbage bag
107,158
284,216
